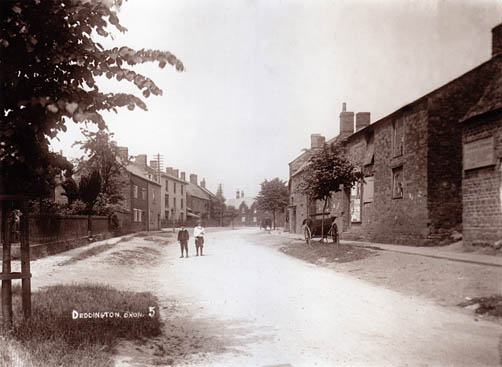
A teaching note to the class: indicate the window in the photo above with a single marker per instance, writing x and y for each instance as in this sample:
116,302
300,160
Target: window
243,210
143,193
137,215
135,191
398,137
397,182
167,185
254,211
355,203
153,196
166,200
254,219
368,189
181,188
243,219
174,202
174,187
181,202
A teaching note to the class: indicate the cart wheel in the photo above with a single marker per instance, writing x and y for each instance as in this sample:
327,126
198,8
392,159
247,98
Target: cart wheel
308,235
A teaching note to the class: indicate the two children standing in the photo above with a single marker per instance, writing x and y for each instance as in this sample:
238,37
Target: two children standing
183,238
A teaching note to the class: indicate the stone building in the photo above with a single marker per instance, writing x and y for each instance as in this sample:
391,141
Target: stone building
482,160
199,200
174,193
247,213
412,163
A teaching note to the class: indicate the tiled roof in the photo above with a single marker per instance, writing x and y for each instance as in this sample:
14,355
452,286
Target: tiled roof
141,171
197,191
236,203
491,99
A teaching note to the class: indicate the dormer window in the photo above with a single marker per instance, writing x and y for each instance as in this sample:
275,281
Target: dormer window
398,137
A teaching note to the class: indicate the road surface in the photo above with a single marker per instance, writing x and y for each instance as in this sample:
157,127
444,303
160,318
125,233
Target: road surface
251,305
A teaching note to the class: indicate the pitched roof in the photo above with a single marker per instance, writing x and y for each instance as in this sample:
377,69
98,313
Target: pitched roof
491,99
236,203
141,171
197,191
163,174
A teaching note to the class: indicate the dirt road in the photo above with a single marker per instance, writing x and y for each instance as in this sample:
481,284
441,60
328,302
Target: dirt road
270,309
243,304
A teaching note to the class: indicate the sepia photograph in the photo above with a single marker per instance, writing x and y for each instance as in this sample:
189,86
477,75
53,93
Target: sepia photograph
251,183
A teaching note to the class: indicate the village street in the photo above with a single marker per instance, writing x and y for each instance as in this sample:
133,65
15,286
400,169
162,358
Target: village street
246,304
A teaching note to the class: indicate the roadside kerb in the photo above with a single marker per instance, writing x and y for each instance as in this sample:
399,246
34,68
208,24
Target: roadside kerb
433,252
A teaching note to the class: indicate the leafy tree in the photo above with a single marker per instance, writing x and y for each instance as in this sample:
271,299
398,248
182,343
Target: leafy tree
71,190
328,172
89,188
273,196
49,62
102,155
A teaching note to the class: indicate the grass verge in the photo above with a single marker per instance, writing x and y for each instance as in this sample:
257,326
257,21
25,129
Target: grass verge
325,252
93,251
53,336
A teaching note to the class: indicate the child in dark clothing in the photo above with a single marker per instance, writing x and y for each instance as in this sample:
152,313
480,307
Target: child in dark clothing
183,240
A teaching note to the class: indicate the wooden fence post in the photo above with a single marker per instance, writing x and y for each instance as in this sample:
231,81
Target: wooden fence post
6,268
25,260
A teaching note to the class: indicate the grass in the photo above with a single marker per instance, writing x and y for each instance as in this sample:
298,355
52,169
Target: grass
491,305
51,337
93,251
325,252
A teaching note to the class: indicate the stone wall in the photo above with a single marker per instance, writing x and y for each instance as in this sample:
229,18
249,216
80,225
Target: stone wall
482,187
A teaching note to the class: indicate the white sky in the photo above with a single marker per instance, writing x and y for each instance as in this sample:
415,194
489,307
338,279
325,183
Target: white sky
262,75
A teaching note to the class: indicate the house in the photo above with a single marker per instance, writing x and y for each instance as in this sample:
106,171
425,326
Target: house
145,195
412,164
174,193
199,202
482,160
246,211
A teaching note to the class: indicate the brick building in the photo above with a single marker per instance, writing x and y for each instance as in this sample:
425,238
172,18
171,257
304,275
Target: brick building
246,211
412,163
482,160
145,195
199,200
174,205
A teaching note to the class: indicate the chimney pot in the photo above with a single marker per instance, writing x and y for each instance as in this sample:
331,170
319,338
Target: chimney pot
203,183
183,176
344,107
237,194
140,159
193,178
176,173
317,140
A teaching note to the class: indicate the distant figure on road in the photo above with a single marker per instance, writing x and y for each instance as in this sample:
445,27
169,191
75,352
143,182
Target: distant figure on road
198,233
183,237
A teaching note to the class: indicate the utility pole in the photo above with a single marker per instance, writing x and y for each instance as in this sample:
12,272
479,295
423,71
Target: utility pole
160,162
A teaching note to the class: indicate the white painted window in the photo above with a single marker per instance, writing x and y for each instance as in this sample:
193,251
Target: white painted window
135,191
254,219
243,219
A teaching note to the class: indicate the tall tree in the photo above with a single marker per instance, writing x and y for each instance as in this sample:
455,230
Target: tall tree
273,197
328,172
103,155
49,61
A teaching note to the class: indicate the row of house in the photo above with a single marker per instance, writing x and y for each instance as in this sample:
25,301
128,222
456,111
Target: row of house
430,168
247,212
159,198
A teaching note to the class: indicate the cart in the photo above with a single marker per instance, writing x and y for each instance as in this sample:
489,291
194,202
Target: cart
312,227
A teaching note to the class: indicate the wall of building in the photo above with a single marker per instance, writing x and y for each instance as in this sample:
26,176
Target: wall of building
154,205
447,106
482,187
139,203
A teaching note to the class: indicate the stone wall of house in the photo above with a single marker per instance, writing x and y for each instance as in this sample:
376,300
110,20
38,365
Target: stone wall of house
482,187
386,217
447,106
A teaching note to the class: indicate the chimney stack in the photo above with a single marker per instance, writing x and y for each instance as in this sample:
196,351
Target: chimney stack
242,194
176,173
346,120
154,164
362,120
169,171
183,176
238,194
140,159
203,183
193,179
317,140
497,40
